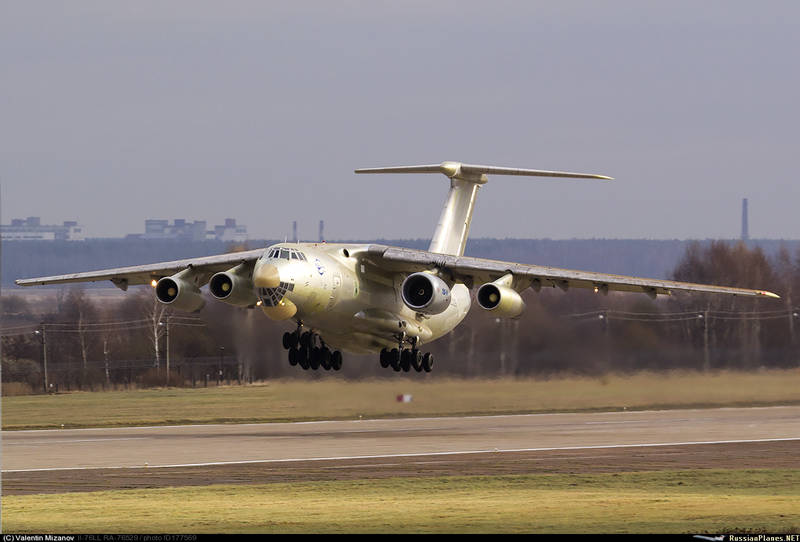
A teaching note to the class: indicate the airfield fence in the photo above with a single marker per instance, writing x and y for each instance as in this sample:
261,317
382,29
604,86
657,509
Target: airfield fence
704,339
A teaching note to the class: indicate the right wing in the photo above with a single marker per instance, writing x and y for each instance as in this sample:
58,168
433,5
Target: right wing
122,277
476,271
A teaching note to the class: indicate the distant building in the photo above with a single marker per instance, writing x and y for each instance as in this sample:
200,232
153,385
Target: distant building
32,229
230,231
180,230
183,230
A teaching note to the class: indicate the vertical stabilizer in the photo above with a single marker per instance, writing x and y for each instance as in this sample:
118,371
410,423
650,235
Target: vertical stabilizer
452,230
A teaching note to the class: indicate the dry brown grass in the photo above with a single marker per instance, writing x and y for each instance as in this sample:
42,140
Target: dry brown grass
336,398
11,389
654,502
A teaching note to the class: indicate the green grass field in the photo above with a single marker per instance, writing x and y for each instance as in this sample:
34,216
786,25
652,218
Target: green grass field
336,398
710,501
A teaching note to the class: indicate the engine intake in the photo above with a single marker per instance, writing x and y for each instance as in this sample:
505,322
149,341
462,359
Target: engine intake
232,288
179,293
503,301
425,293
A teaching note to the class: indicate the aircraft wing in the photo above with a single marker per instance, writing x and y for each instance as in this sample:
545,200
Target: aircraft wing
476,271
122,277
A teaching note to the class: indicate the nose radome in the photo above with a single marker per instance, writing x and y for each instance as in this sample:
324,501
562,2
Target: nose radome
266,276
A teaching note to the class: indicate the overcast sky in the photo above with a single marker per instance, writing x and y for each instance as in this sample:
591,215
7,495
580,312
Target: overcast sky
113,112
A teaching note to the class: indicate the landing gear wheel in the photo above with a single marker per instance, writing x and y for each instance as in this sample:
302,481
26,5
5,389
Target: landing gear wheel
292,357
427,362
302,357
405,360
325,359
394,359
416,360
288,341
385,358
336,360
316,354
307,339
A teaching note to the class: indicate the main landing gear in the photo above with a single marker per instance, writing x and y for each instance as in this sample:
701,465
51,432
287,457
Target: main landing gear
403,359
309,351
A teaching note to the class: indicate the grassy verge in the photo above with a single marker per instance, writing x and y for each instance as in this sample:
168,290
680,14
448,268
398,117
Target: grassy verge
652,502
334,398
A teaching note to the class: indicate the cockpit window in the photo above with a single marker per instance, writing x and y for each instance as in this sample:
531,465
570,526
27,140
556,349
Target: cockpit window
286,254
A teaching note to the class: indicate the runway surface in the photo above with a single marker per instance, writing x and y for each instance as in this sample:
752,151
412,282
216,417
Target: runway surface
87,459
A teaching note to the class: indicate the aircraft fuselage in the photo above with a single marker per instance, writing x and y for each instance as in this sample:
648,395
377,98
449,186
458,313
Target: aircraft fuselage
353,306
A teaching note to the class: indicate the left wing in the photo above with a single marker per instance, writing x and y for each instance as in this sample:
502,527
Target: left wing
471,271
122,277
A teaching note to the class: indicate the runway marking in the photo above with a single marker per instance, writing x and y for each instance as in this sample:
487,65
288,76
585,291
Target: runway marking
370,465
71,441
419,454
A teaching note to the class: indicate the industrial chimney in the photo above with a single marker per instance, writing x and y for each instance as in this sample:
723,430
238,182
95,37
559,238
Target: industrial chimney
745,228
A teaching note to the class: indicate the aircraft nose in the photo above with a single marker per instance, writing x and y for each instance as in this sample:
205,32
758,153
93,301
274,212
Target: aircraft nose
266,276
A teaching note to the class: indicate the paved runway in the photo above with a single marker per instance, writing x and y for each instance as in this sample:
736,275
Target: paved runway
208,445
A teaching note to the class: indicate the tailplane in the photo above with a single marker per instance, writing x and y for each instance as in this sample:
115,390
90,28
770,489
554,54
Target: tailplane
452,230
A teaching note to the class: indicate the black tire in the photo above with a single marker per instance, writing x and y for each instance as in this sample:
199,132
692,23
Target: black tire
427,362
325,359
306,339
302,357
292,357
394,359
336,360
385,358
405,360
416,360
287,340
316,354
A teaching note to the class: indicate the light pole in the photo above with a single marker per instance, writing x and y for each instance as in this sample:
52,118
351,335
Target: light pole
166,333
43,335
219,373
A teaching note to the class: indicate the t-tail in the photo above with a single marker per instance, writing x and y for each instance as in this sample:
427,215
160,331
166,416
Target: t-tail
452,230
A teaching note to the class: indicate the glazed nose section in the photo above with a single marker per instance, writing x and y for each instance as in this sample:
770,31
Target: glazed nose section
266,275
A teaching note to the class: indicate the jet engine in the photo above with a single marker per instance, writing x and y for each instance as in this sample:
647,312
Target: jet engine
180,292
234,287
425,293
501,300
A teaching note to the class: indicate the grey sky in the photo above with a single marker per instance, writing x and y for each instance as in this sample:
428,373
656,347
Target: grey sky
111,112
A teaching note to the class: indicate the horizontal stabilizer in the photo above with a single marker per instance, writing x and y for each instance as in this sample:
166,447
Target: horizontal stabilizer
477,173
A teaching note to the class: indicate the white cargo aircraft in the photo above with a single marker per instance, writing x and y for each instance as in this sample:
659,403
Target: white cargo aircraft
375,298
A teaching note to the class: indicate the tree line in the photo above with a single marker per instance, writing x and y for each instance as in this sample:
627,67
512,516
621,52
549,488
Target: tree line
89,344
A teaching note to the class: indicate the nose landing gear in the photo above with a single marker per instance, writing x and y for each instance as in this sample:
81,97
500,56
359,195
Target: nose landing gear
308,350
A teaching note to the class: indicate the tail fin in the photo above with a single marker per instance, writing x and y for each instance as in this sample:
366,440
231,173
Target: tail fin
452,230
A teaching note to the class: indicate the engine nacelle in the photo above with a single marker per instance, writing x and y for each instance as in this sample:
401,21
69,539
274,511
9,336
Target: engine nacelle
425,293
180,293
232,288
501,300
